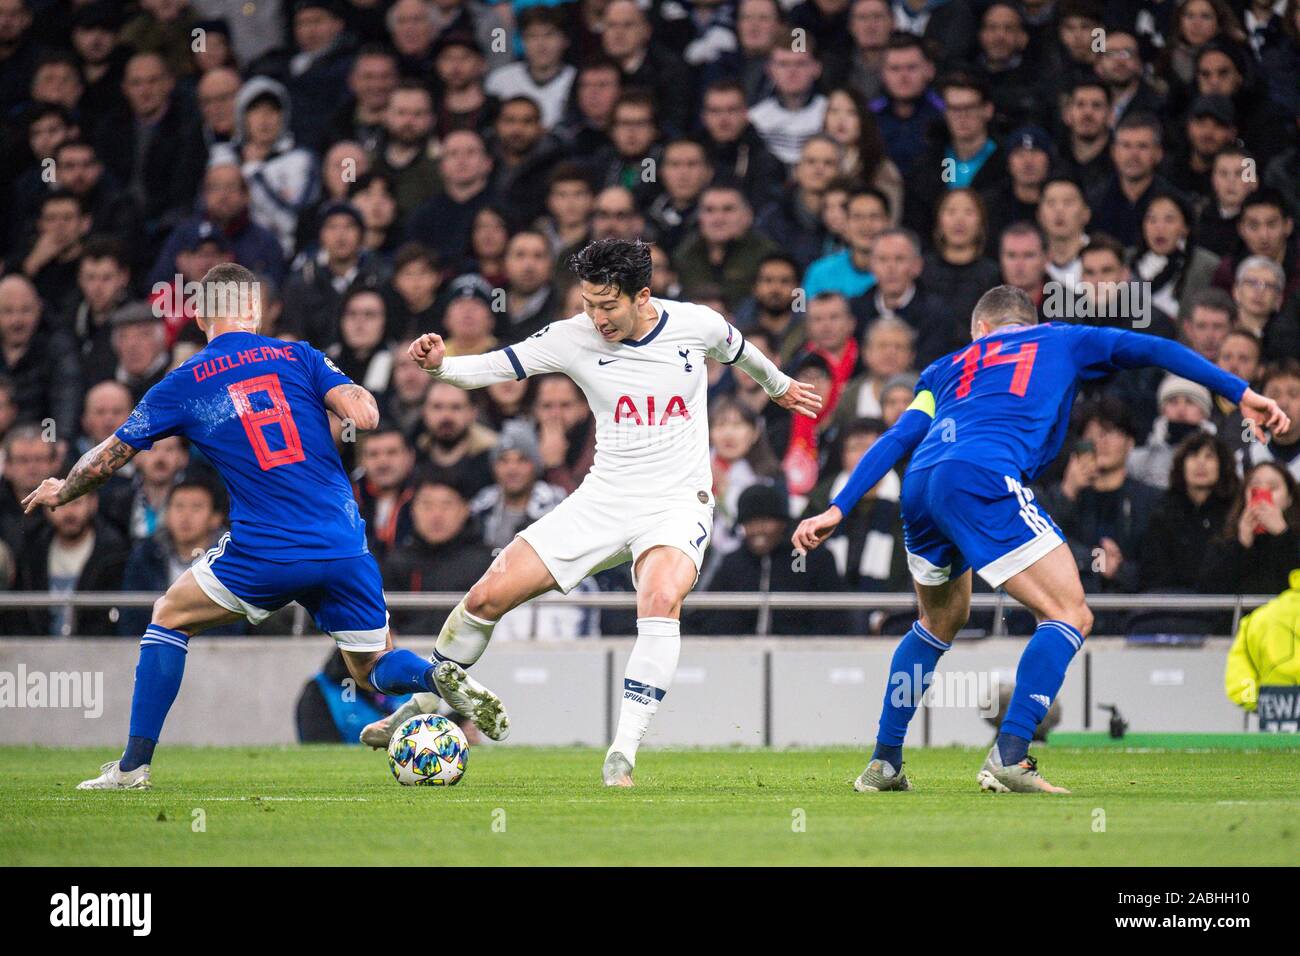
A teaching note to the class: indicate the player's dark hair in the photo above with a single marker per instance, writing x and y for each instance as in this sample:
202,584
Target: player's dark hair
1004,305
622,264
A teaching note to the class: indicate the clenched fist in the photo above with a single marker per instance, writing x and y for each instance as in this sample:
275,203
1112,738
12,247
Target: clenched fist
428,351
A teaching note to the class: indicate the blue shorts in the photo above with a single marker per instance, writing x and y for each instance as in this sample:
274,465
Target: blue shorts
344,595
957,515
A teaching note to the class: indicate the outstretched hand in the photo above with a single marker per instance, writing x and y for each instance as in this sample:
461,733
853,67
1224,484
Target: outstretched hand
1264,415
46,493
813,531
802,398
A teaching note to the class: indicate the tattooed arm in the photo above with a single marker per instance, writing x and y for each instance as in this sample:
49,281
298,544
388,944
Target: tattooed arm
354,403
95,467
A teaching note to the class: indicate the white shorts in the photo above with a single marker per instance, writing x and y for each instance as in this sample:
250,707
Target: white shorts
589,532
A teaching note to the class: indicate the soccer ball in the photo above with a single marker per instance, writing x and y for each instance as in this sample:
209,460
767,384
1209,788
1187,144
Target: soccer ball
428,750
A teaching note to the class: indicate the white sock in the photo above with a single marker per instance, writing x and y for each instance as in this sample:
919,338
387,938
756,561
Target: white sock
418,704
649,674
464,637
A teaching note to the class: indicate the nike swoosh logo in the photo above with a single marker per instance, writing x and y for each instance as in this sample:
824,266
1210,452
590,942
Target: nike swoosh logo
605,361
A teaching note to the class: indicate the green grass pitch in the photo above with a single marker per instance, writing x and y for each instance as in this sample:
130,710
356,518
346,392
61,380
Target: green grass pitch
325,805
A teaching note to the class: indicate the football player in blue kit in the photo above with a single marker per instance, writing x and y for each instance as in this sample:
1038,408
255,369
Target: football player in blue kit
987,420
257,409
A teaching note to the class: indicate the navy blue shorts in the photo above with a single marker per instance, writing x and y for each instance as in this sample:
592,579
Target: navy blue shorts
957,515
344,595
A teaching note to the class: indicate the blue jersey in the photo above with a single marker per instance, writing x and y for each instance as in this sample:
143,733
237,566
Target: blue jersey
1003,402
255,406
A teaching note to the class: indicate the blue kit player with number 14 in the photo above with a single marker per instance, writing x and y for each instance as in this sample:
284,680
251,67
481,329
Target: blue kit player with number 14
986,421
257,409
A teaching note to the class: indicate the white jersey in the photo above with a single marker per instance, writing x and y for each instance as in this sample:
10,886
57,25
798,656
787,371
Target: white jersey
649,396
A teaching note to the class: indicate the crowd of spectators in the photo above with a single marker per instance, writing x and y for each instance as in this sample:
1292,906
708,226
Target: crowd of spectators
841,178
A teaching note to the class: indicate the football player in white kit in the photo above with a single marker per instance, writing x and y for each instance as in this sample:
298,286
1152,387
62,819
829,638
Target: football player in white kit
647,499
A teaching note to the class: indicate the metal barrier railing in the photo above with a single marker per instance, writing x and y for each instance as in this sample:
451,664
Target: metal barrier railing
763,602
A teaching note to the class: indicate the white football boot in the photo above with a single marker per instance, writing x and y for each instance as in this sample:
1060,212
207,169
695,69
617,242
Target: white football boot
617,771
879,776
1022,777
378,734
471,699
111,778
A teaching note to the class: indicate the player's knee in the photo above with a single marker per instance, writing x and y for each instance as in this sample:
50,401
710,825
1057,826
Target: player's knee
163,613
484,601
361,664
658,602
1077,614
946,622
1084,619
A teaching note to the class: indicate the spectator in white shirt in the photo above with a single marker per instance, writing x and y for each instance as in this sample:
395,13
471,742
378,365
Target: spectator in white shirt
542,75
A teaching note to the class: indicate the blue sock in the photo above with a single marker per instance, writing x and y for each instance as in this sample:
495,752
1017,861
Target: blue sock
889,753
910,673
1039,677
402,672
157,680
